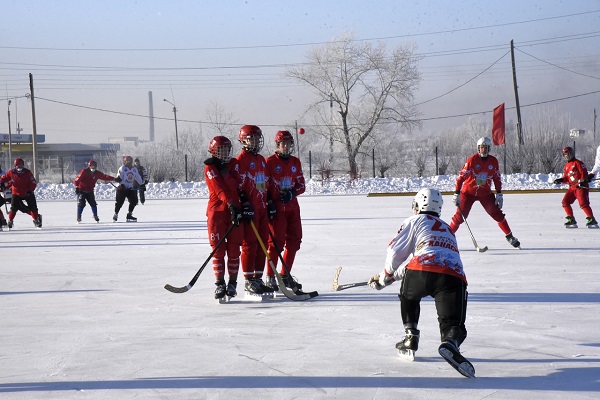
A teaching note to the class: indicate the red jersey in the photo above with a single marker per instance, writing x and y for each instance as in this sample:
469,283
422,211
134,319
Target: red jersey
86,179
22,182
575,173
253,180
477,175
222,182
284,173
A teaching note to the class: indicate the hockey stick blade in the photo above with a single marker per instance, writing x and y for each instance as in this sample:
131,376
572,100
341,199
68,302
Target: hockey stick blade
481,250
337,287
174,289
286,291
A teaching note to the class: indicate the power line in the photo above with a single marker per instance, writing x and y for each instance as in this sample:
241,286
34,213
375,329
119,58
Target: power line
306,43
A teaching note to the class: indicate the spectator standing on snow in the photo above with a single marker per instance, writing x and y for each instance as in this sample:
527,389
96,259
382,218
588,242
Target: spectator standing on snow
85,183
474,183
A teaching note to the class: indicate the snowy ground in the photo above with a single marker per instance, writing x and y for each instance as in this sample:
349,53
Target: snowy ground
85,315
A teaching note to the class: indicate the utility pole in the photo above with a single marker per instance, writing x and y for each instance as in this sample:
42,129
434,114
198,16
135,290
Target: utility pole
34,140
514,70
594,125
9,138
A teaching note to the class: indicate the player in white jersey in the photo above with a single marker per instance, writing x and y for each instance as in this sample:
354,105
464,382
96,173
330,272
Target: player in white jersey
435,270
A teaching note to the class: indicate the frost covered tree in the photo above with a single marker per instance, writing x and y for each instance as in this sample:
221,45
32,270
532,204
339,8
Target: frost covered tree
360,86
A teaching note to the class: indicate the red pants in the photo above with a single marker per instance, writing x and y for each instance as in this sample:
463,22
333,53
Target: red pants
488,204
217,225
253,257
286,229
583,198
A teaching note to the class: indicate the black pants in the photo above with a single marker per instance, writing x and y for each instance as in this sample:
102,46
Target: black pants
124,193
17,204
90,197
450,295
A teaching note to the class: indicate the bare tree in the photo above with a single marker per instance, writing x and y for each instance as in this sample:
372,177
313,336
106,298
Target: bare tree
221,122
365,84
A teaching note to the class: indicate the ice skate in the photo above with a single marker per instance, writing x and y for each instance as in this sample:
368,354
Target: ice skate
38,221
571,223
220,292
409,345
10,224
271,282
78,218
96,218
252,290
115,217
450,352
267,291
514,242
591,223
291,283
131,218
231,290
3,222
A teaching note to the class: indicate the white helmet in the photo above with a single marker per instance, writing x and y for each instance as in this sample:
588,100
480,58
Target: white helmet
428,200
484,141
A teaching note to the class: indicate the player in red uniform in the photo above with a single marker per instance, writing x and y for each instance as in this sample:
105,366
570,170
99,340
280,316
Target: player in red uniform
576,175
286,181
85,182
223,210
23,184
474,183
250,166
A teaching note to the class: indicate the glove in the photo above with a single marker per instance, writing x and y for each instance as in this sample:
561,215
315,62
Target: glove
286,195
590,177
247,211
236,214
271,210
118,179
2,186
243,197
499,200
77,191
456,199
145,182
558,181
381,280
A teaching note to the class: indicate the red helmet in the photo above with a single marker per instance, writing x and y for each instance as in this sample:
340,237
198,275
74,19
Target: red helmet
569,152
92,164
220,147
19,161
127,160
284,136
251,138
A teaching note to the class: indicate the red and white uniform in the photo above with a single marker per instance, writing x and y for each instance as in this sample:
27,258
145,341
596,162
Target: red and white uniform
253,181
474,182
128,176
575,174
432,244
223,182
86,179
285,173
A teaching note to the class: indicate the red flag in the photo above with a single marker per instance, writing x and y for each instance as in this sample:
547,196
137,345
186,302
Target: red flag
498,127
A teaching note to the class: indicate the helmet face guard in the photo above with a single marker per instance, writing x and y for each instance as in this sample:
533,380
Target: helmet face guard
285,143
128,160
19,164
251,138
220,147
568,153
484,145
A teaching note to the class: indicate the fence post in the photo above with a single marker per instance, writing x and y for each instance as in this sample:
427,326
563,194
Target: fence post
186,167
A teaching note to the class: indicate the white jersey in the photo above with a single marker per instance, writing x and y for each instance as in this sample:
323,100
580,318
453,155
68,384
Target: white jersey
596,168
432,244
128,175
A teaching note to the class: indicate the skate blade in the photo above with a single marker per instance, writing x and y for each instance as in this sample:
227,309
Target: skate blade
464,368
571,226
253,297
222,300
593,226
406,355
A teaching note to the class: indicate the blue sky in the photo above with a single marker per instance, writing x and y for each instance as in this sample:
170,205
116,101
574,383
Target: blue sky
108,55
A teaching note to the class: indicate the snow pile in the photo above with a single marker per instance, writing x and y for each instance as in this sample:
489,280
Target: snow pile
333,186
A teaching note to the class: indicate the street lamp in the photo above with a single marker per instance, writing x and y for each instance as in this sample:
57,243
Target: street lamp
175,114
9,136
